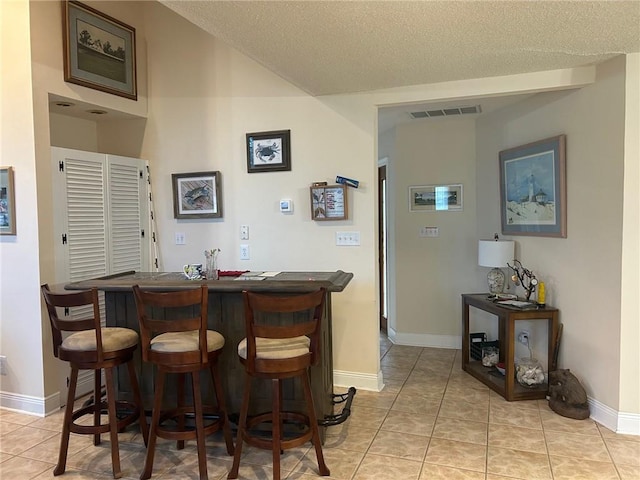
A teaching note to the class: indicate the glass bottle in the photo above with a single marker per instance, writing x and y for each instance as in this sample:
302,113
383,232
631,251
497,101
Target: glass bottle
211,264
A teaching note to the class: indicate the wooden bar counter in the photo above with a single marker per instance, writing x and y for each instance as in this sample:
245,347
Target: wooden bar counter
226,315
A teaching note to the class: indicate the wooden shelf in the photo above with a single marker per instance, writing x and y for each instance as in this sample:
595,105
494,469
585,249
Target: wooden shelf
506,385
497,382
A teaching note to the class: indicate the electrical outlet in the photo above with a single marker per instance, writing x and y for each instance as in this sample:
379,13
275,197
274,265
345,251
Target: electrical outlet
244,252
3,365
523,337
244,232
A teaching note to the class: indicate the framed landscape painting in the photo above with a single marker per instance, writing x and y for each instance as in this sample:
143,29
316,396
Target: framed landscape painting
99,51
431,198
533,189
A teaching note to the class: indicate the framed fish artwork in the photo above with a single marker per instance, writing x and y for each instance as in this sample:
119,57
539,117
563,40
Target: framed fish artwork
197,195
269,151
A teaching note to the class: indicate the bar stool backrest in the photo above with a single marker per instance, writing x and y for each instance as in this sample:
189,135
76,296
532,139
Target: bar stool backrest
175,311
55,301
306,311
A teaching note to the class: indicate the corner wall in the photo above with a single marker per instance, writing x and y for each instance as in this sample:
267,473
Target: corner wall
583,271
200,110
21,335
432,273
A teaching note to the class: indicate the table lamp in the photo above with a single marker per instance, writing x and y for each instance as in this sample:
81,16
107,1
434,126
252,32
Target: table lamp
495,253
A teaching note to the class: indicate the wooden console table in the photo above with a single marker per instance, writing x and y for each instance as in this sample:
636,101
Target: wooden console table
506,385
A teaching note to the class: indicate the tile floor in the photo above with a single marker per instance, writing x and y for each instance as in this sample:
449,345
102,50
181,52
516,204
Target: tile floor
432,421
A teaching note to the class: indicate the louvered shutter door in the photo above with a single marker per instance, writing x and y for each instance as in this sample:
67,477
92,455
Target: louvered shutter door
82,195
100,209
125,194
86,218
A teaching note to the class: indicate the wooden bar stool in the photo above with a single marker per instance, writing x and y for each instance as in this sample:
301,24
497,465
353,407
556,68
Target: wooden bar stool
91,347
276,353
174,337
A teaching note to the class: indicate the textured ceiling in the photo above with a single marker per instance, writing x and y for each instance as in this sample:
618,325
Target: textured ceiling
333,47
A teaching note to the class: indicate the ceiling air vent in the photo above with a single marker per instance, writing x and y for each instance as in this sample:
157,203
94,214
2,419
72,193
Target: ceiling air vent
446,112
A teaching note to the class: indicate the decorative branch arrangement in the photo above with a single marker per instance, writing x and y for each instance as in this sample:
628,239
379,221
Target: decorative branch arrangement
523,276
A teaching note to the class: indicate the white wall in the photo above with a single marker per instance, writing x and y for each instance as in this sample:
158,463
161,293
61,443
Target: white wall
630,300
583,271
431,273
200,109
21,335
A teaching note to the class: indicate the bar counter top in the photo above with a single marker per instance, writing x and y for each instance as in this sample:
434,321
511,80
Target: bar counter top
282,282
226,315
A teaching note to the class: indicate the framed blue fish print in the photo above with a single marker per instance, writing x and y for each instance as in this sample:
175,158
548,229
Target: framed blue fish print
269,151
533,189
197,195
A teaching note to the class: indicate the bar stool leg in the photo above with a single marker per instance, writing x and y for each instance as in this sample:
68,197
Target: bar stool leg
313,425
113,423
142,418
197,407
155,419
276,426
97,403
222,406
180,403
68,416
242,423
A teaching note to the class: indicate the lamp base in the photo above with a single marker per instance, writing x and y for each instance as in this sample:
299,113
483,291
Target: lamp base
495,279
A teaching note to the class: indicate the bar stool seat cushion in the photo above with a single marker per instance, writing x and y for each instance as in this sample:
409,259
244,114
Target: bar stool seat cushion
113,339
172,342
277,348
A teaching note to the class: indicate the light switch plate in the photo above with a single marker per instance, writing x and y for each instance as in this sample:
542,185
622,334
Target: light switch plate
349,239
180,238
429,232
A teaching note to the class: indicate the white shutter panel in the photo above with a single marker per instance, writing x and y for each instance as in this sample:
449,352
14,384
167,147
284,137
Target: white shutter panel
86,219
125,184
101,206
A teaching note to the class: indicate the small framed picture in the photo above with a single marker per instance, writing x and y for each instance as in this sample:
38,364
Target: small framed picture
431,198
269,151
197,195
533,189
328,202
99,51
7,202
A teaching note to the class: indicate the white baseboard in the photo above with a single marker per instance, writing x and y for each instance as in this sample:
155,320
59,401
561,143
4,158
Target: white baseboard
24,403
363,381
29,404
619,422
425,340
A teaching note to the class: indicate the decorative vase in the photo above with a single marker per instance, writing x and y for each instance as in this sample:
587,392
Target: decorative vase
211,264
529,372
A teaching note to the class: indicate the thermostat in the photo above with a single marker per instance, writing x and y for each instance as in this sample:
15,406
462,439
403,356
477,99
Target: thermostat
286,206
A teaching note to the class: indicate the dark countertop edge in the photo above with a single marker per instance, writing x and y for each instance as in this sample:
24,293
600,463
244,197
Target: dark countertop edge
121,282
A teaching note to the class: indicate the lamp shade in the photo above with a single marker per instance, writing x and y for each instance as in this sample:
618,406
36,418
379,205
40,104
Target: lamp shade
495,253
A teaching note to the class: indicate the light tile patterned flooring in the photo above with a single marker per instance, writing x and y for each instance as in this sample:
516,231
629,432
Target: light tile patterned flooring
432,421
